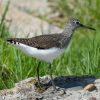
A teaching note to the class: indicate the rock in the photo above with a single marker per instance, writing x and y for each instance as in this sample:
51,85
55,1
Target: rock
36,6
26,89
31,6
22,24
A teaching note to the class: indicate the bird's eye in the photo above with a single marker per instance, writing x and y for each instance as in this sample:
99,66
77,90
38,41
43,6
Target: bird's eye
77,22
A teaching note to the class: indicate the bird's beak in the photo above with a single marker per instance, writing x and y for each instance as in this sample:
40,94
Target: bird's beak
87,27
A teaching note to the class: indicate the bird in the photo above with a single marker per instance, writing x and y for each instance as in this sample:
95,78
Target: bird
48,47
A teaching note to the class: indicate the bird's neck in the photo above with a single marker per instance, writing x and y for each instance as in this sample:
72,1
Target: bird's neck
68,33
68,30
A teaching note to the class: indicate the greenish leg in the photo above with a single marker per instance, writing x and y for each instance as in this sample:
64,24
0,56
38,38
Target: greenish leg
38,73
50,73
40,86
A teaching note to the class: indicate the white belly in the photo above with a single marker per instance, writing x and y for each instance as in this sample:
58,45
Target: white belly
47,55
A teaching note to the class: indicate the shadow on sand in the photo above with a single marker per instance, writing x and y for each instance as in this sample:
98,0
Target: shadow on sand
70,82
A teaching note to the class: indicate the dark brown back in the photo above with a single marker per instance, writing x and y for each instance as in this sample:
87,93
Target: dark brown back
42,41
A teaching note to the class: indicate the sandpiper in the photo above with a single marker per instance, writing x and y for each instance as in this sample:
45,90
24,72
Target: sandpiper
48,47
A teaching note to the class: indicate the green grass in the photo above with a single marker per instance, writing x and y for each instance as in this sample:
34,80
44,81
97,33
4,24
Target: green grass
81,58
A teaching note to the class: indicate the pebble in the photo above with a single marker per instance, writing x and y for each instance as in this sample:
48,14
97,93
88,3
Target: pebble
92,98
90,87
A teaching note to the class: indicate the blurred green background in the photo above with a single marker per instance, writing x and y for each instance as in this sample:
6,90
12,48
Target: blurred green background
81,58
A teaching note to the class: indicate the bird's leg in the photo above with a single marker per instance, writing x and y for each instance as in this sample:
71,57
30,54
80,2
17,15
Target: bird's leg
38,73
39,85
50,73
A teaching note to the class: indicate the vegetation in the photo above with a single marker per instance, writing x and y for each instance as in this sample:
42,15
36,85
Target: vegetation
81,58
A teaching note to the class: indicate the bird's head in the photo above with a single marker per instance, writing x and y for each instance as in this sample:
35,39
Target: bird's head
75,23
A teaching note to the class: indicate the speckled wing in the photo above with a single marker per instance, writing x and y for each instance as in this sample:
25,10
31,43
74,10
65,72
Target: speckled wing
40,42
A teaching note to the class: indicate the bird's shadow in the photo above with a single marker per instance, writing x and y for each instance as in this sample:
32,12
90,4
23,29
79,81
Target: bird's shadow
70,82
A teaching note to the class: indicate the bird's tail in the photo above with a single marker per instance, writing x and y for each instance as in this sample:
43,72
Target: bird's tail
11,40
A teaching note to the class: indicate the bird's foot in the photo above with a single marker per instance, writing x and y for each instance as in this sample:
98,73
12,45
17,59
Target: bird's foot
40,87
59,91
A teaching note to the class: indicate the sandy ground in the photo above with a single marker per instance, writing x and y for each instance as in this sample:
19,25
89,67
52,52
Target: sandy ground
69,88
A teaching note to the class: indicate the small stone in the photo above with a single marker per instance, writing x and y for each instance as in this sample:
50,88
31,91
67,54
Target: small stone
92,98
90,87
